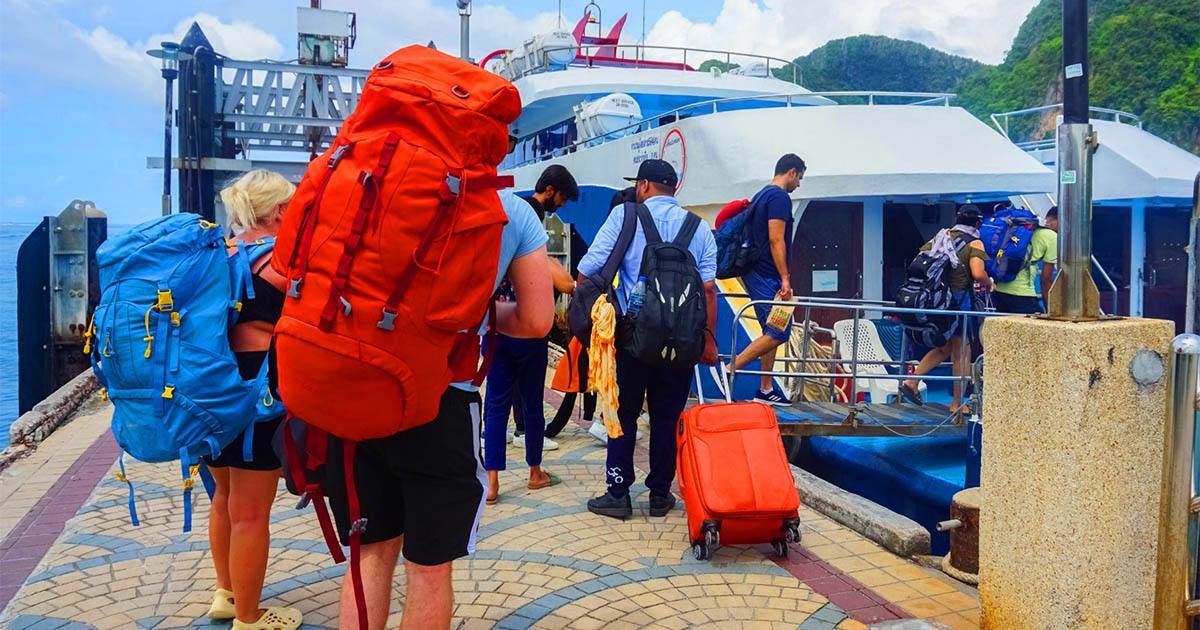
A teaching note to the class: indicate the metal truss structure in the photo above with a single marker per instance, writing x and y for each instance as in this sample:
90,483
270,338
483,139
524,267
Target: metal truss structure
276,106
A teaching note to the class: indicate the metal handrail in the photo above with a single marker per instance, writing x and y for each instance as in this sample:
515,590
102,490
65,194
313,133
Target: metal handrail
1112,285
1115,113
858,308
786,99
640,57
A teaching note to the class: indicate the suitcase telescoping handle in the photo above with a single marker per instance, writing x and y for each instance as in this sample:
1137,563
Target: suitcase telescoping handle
699,385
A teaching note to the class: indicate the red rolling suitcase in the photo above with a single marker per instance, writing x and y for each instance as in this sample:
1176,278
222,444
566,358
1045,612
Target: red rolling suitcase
735,479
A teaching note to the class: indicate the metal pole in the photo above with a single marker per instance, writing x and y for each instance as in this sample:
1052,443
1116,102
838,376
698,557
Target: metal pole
854,361
464,35
1189,322
166,197
804,353
1180,491
1074,295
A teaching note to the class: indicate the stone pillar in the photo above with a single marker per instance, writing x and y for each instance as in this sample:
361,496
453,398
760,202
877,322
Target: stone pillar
1072,475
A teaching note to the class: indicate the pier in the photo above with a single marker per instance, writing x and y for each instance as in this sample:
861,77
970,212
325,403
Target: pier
73,561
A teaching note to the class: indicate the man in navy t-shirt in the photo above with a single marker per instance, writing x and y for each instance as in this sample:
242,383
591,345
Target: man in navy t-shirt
772,231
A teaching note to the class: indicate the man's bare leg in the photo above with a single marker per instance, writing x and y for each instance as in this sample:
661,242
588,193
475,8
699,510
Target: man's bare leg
759,348
428,598
378,567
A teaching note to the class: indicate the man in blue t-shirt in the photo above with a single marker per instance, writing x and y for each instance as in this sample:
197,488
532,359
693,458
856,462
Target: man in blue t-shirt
771,225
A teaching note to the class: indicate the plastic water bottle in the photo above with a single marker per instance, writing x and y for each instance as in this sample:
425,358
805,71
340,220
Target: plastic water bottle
637,299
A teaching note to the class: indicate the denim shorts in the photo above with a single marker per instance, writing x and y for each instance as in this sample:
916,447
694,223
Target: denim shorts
763,288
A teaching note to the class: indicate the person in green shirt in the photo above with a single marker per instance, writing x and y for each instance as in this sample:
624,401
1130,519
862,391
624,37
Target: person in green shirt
1020,295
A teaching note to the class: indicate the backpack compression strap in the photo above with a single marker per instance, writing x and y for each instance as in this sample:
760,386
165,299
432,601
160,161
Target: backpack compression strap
371,183
315,445
447,210
358,525
308,225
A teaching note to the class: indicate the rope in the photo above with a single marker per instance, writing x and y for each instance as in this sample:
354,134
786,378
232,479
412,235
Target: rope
602,364
814,389
961,576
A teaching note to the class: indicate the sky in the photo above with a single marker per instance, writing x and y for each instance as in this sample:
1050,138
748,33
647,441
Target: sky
81,105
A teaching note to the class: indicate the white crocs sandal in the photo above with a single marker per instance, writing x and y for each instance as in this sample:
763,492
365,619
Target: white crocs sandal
222,606
273,619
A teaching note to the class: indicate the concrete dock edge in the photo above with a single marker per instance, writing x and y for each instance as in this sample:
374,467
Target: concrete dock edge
896,533
36,424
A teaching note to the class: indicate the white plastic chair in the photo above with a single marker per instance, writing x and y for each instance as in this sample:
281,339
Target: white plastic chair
870,348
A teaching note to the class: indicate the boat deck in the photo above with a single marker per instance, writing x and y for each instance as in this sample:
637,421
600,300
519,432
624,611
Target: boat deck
72,560
823,418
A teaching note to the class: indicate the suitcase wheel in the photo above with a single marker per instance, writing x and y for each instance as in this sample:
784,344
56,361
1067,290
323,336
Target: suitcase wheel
703,549
780,546
792,527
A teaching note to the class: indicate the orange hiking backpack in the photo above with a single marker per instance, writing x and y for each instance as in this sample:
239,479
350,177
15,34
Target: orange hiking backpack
391,244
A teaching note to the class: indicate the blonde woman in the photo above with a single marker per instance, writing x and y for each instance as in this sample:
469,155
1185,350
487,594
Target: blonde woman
239,519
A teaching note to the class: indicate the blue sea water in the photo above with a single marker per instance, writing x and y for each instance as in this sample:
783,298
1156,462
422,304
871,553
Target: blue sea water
11,236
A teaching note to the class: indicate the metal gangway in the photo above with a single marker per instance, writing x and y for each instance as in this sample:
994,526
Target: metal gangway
849,416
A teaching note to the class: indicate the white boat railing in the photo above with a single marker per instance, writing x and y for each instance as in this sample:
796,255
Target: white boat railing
1035,145
781,99
644,57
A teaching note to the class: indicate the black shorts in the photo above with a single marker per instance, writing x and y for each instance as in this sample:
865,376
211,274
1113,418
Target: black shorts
427,484
263,456
1006,303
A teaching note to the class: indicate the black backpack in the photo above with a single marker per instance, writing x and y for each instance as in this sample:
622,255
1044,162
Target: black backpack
926,286
737,252
668,331
579,311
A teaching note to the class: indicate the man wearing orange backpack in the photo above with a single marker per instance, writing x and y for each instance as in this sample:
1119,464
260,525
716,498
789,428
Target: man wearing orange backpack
393,247
434,520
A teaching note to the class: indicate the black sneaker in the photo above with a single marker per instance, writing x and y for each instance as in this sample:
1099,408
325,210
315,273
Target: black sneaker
661,504
774,398
614,507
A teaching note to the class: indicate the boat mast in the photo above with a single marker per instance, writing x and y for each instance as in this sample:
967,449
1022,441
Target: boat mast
464,37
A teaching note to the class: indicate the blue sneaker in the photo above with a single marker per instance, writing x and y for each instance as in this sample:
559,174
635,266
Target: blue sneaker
775,398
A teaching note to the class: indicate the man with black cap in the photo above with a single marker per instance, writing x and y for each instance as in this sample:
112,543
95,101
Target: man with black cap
663,390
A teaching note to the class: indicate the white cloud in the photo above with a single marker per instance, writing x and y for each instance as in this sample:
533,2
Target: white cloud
980,29
128,60
38,40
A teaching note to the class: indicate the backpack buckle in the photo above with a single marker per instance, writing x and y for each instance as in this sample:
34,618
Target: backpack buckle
338,154
388,321
345,305
294,285
305,498
453,183
165,303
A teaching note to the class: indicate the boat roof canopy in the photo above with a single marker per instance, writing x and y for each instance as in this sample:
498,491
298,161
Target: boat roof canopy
851,151
1132,163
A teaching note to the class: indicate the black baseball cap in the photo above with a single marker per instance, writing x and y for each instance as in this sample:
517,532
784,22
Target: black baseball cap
657,171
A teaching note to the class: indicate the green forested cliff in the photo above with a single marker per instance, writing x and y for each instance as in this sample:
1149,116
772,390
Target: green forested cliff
1145,59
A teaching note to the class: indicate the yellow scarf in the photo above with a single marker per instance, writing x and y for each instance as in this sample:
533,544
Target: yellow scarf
602,364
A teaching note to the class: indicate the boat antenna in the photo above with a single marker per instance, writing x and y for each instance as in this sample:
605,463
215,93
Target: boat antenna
559,13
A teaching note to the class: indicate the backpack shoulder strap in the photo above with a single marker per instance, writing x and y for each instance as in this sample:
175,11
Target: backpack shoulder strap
628,229
651,230
688,231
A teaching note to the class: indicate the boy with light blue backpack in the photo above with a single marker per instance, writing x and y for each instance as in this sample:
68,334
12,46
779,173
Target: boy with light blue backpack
181,344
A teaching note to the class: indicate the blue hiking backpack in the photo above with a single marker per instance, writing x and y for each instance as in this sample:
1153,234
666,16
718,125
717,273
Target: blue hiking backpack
1006,236
159,345
737,252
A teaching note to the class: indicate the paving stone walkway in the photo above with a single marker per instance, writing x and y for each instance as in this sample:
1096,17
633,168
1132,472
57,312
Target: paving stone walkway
543,561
